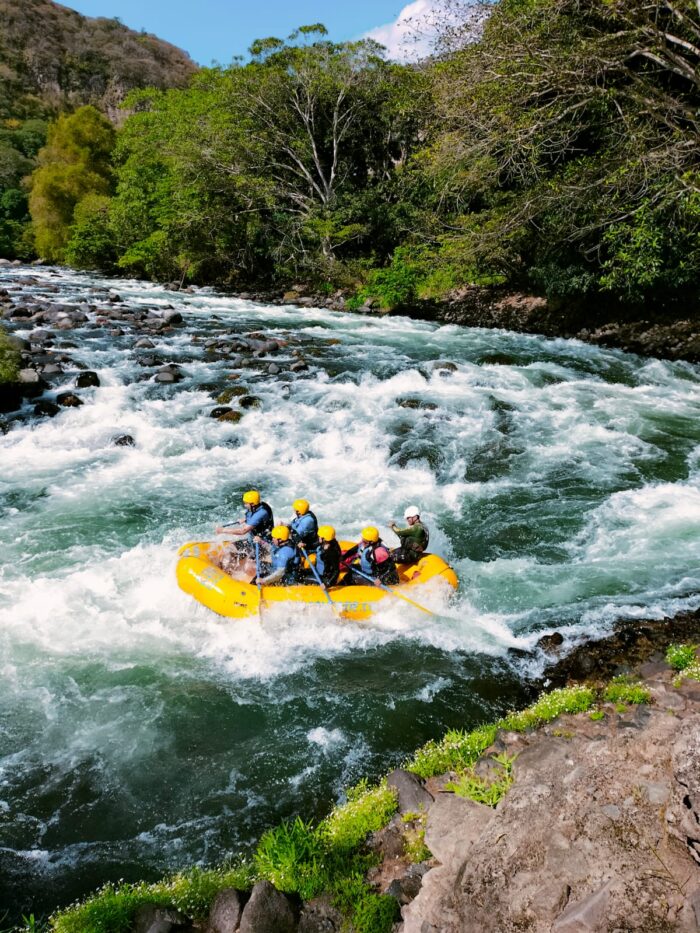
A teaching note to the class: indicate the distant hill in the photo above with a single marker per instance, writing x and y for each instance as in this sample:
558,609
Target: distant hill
53,58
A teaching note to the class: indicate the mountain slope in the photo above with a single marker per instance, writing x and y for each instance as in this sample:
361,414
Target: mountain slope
53,58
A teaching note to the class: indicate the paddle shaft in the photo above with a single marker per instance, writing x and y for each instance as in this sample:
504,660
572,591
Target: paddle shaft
318,579
257,575
393,592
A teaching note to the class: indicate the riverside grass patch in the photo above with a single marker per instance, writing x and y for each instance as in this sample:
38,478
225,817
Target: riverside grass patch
9,359
306,859
684,659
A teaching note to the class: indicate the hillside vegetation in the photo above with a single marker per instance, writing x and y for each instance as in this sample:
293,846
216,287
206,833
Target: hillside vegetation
551,146
52,59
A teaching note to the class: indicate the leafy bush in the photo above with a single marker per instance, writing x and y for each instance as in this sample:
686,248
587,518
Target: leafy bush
367,810
455,752
621,690
292,857
481,790
681,656
9,359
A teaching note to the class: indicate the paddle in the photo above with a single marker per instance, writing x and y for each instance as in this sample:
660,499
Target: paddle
318,580
393,592
257,576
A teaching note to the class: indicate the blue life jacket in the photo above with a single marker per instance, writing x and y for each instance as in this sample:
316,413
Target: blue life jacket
286,557
305,530
368,564
261,520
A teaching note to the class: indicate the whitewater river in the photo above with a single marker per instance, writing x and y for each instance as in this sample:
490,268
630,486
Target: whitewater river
139,733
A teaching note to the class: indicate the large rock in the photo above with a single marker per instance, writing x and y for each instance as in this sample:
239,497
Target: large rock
320,916
599,831
411,794
69,400
87,379
150,919
226,911
268,911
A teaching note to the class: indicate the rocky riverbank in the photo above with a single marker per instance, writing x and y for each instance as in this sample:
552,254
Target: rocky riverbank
666,332
581,813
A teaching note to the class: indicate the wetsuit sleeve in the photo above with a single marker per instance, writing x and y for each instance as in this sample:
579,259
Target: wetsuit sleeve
331,566
273,577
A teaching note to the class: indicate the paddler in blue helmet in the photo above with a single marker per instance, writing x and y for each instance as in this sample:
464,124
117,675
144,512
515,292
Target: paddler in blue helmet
257,521
283,566
304,526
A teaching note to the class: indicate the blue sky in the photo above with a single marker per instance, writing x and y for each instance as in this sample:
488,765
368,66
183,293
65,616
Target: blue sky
216,30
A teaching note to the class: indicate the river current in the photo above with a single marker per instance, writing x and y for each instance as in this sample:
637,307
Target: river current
139,733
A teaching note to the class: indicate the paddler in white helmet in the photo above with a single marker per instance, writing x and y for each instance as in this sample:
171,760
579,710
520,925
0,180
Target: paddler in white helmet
413,538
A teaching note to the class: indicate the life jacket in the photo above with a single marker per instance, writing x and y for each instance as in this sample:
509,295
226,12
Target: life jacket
373,558
286,557
328,560
266,524
305,529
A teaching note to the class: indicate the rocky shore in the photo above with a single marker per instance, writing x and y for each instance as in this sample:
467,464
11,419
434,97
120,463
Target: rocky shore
595,825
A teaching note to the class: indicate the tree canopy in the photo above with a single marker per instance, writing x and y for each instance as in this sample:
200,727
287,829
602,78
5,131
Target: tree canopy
552,144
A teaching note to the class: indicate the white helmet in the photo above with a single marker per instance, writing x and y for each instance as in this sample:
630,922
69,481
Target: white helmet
412,512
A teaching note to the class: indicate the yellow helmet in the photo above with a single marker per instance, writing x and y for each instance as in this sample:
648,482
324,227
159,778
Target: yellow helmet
370,534
326,532
301,506
252,497
280,533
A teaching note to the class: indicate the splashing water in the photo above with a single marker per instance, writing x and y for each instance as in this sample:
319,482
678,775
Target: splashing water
139,733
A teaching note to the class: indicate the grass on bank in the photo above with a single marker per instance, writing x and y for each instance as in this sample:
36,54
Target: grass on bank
9,359
685,660
306,859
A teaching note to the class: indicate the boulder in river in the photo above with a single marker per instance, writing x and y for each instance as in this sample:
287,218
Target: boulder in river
87,379
250,401
46,408
223,398
233,417
124,440
69,400
220,411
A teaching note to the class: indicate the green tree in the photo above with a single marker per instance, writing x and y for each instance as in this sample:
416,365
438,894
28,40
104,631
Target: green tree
568,143
74,163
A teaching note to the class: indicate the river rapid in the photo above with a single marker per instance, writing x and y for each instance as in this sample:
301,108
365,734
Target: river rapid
138,732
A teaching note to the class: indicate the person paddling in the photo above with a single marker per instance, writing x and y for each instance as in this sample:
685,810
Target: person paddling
258,520
413,539
328,556
304,526
374,559
284,561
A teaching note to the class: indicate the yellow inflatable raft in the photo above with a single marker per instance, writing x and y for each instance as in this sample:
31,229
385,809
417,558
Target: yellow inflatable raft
199,576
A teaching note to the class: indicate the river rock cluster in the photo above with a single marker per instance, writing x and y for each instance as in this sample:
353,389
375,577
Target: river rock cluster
48,356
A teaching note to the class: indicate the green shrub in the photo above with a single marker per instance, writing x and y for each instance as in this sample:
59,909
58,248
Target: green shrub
679,657
367,810
621,690
9,359
293,858
481,790
550,706
455,752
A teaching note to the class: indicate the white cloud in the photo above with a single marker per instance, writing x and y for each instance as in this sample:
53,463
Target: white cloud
410,36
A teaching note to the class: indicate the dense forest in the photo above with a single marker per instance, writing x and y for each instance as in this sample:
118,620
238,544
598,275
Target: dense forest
550,145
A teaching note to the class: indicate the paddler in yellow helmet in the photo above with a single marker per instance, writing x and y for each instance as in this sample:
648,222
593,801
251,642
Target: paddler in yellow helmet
257,521
283,566
328,556
373,560
304,526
